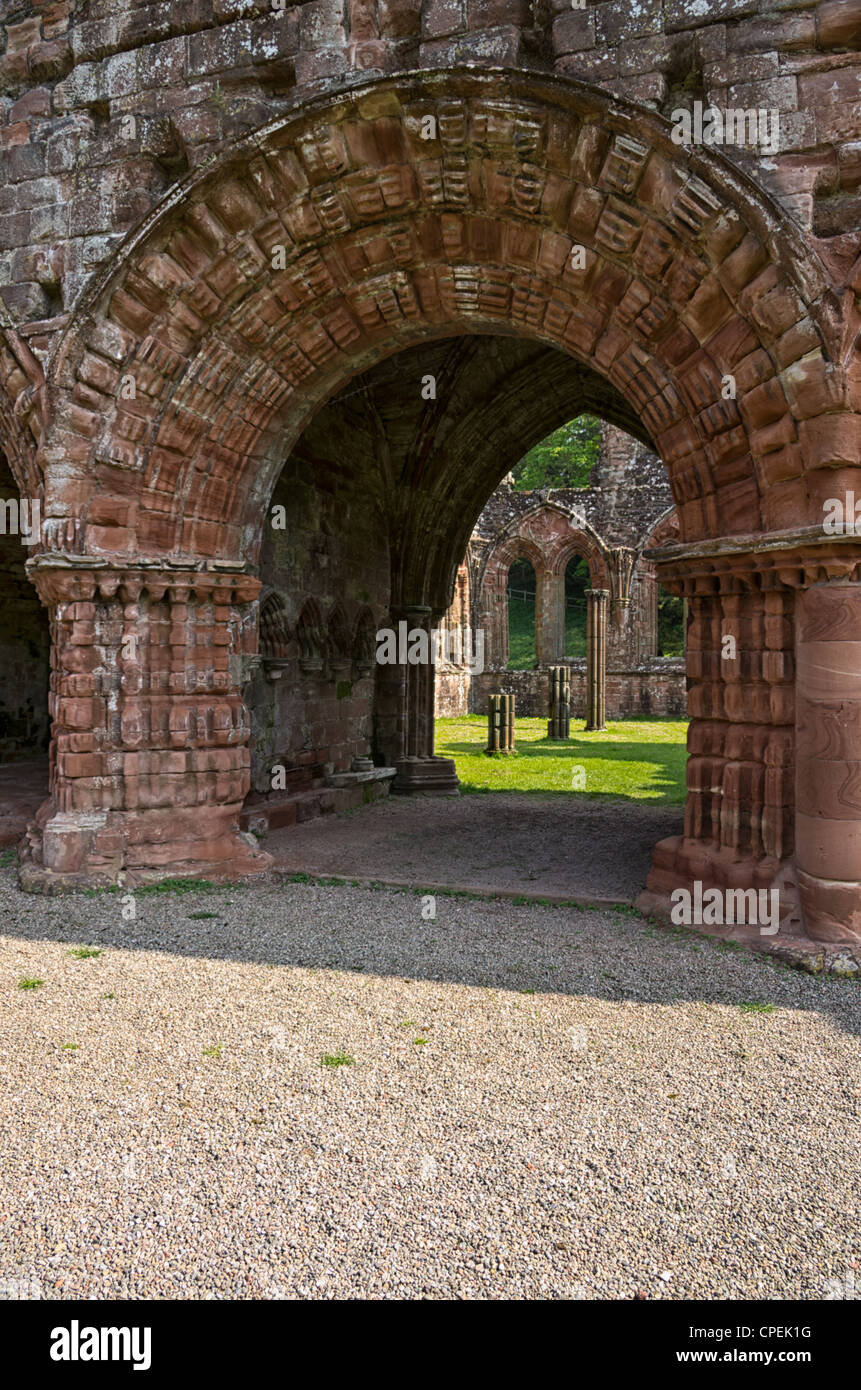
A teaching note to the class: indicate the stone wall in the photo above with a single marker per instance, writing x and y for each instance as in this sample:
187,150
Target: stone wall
106,104
657,687
610,524
312,697
24,649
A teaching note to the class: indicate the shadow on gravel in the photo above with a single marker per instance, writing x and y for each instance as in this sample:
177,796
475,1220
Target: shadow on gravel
615,956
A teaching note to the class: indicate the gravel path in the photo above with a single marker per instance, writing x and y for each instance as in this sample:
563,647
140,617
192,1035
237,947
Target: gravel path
561,845
591,1112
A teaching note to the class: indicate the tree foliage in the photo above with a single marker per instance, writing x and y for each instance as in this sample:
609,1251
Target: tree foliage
564,458
671,624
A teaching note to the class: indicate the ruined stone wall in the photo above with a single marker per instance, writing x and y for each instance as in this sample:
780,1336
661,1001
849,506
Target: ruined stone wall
106,104
657,687
627,500
628,494
25,645
312,697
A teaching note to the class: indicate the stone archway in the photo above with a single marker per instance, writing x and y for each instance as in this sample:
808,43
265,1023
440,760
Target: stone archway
492,597
197,361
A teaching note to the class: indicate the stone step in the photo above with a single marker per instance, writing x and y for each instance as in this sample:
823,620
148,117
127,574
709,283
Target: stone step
344,794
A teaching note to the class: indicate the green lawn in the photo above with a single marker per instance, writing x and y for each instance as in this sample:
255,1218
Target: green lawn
638,759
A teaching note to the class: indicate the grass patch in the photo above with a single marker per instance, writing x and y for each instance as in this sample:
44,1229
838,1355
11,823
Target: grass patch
176,885
167,885
639,759
214,1051
70,1047
85,952
200,916
755,1008
337,1059
30,982
7,857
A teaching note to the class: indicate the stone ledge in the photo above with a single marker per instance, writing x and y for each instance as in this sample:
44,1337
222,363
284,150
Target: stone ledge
815,957
352,779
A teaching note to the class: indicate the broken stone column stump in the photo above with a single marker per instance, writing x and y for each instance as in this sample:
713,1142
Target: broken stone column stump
559,723
500,724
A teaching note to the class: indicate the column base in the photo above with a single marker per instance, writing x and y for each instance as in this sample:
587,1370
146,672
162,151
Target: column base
816,917
426,777
680,862
64,852
831,911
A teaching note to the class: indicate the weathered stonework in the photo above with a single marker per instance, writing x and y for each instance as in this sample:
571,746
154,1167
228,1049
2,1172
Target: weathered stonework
270,251
627,508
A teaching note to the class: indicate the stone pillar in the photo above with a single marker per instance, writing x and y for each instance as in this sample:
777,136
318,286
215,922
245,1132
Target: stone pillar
828,760
149,760
559,723
596,658
500,724
550,618
420,772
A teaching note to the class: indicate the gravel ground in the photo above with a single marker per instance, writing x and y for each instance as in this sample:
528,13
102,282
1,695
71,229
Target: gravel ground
542,1104
504,841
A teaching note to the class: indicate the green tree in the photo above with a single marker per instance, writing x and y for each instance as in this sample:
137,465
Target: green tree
564,458
671,624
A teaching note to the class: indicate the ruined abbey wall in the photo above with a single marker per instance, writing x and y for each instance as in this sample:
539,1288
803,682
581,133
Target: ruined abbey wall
505,198
106,104
616,518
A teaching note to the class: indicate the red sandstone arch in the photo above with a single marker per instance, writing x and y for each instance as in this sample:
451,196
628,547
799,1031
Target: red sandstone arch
691,274
548,547
22,393
664,531
493,592
585,543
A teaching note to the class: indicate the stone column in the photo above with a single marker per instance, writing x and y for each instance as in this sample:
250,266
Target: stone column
559,723
420,772
828,760
596,658
549,618
149,750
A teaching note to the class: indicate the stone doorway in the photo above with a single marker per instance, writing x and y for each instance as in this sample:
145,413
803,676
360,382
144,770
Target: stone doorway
443,264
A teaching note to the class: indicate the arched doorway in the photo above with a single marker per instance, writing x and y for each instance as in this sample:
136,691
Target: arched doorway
688,276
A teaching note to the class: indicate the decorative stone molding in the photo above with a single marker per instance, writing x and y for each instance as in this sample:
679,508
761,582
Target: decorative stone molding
312,638
149,757
622,562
